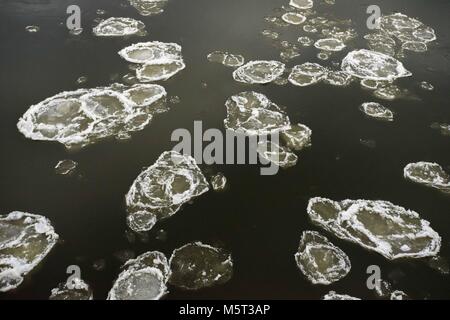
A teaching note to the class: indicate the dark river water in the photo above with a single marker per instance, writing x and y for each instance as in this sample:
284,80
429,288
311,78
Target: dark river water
259,219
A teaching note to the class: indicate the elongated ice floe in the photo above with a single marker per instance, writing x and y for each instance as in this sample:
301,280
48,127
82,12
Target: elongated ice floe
320,260
307,74
143,278
276,154
293,18
160,190
119,27
367,64
25,240
336,296
252,113
377,111
196,265
226,58
85,116
379,226
330,44
75,289
429,174
149,7
302,4
259,72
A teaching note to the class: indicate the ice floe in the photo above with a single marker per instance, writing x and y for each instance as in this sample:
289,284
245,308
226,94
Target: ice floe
335,296
74,289
293,18
381,42
276,154
226,58
329,44
119,27
32,29
259,72
444,128
66,167
219,182
379,226
307,74
398,295
320,260
297,137
160,190
406,29
302,4
337,78
149,7
196,265
429,174
25,240
377,111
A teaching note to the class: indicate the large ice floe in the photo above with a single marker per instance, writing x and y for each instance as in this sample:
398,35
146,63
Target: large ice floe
25,240
149,7
226,58
119,27
367,64
160,190
377,111
196,265
320,260
259,72
75,289
159,60
143,278
429,174
85,116
379,226
332,295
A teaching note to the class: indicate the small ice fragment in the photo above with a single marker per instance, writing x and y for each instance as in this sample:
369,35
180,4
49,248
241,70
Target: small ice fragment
298,137
305,41
226,58
426,86
66,167
428,174
415,46
219,182
259,72
307,74
82,80
335,296
293,18
119,27
377,111
32,29
76,289
329,44
398,295
149,7
276,154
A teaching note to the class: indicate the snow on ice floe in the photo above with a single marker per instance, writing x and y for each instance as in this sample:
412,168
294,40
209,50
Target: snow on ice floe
143,278
381,42
332,295
119,27
149,7
276,154
160,190
330,44
218,182
293,18
297,137
307,74
226,58
379,226
259,72
406,29
428,174
377,111
253,113
320,260
75,289
25,240
367,64
337,78
302,4
85,116
196,265
66,167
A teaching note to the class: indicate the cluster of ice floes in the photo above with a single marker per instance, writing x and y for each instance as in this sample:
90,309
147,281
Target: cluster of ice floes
377,111
259,72
159,60
74,289
196,265
85,116
336,296
25,240
119,27
428,174
218,182
380,226
226,58
160,190
149,7
320,260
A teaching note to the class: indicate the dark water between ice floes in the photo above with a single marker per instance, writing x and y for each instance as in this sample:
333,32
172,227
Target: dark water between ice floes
259,219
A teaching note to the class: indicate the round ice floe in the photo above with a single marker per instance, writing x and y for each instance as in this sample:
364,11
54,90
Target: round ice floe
150,72
252,113
335,296
74,289
219,182
160,191
377,111
143,278
321,261
196,265
373,65
307,74
293,18
119,27
152,52
149,7
379,226
297,137
329,44
276,154
25,240
302,4
226,58
259,72
428,174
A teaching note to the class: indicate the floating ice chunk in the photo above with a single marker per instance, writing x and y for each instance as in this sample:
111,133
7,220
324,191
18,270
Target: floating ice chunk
406,29
415,46
160,190
293,18
335,296
85,116
66,167
152,52
270,34
373,65
369,143
149,7
76,289
196,265
377,111
305,41
444,128
330,44
32,29
379,226
253,113
298,137
428,174
338,78
302,4
426,86
226,58
25,240
219,182
370,84
320,260
307,74
398,295
119,27
259,72
150,72
381,42
143,278
276,154
389,92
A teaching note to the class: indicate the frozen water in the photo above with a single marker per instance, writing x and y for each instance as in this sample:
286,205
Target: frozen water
25,240
196,265
66,167
298,137
373,65
302,4
219,182
293,18
338,78
153,52
226,58
76,289
143,278
149,7
330,44
160,190
276,154
307,74
377,111
379,226
335,296
398,295
305,41
406,29
321,261
119,27
414,46
381,42
389,91
444,128
85,116
426,86
253,113
428,174
259,72
159,71
32,29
